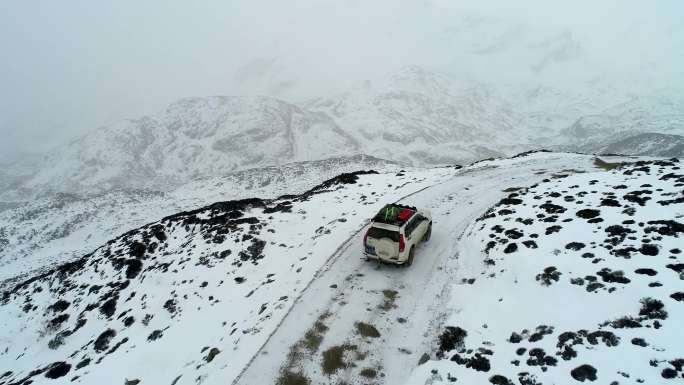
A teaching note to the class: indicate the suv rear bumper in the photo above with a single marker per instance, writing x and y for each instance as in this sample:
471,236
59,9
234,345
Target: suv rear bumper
384,260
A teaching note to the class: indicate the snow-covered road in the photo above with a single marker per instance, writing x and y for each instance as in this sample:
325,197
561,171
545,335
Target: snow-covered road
363,320
277,292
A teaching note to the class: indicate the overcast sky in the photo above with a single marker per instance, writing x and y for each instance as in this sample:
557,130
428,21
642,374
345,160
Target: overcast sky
71,66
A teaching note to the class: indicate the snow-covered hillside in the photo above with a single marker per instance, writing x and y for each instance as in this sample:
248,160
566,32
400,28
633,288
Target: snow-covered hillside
276,291
207,286
576,278
60,227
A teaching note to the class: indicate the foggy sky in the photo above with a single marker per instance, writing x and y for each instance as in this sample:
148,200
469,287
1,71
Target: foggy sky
72,66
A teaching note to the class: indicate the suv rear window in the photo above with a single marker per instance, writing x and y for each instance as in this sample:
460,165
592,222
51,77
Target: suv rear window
378,233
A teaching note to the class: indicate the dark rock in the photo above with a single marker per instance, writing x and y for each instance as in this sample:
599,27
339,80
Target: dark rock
549,275
530,244
515,338
212,354
668,228
170,306
83,363
610,202
137,250
588,213
57,370
551,208
452,338
102,341
613,276
646,271
594,286
423,359
499,380
608,338
513,234
511,248
652,309
668,373
575,246
510,201
678,267
584,372
648,249
108,308
59,306
552,229
155,335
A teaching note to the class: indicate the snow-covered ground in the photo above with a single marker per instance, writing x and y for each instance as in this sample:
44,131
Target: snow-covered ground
56,229
189,298
575,278
405,306
263,292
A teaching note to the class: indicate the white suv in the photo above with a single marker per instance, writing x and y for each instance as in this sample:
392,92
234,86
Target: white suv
394,233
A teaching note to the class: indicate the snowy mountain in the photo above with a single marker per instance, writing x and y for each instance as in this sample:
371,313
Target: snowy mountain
275,291
652,144
648,118
192,138
415,116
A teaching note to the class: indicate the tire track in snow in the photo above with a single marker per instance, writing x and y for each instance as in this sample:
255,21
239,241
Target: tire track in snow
330,261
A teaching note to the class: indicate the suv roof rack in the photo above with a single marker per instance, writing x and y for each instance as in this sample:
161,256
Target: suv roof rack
394,214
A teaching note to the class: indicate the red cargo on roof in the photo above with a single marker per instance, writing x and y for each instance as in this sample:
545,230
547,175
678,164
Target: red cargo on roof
405,214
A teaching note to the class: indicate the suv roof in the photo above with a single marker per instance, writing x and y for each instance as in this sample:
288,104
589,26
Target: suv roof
395,214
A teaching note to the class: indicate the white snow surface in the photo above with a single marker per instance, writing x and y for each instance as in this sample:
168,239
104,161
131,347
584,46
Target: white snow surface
56,229
294,290
570,289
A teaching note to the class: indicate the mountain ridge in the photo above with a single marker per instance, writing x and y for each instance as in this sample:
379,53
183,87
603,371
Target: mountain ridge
415,116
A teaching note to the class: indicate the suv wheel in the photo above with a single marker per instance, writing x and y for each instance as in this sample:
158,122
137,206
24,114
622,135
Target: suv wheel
428,233
409,261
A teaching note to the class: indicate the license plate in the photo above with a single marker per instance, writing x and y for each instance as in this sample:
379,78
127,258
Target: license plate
370,249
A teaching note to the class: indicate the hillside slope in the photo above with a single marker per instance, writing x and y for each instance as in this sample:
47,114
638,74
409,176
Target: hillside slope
58,228
208,285
577,278
276,291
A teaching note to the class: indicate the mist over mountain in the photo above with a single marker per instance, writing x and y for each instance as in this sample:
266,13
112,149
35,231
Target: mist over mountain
386,192
60,83
416,116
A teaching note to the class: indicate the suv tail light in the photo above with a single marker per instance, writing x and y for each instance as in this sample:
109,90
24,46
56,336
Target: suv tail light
402,244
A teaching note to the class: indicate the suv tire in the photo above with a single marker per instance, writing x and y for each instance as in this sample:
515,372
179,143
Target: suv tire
428,233
409,261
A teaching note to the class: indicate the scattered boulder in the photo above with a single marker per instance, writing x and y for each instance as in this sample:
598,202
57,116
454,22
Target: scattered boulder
57,370
102,341
453,338
511,248
583,373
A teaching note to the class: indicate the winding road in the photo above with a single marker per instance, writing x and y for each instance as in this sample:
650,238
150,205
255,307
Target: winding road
405,305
